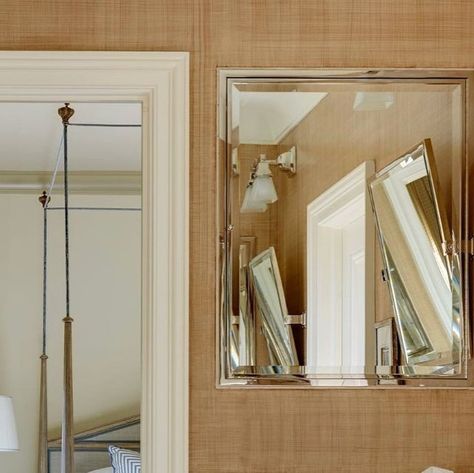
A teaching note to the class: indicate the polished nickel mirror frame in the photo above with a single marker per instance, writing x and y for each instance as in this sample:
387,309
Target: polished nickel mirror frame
296,377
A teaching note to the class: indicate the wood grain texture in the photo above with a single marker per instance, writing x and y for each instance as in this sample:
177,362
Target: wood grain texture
286,431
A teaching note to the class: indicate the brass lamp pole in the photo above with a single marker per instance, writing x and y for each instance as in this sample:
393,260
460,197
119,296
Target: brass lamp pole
43,422
67,450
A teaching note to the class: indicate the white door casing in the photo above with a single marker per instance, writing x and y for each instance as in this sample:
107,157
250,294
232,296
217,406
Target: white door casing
160,82
340,265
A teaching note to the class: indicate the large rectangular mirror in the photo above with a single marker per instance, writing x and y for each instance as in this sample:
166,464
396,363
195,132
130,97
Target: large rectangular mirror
343,228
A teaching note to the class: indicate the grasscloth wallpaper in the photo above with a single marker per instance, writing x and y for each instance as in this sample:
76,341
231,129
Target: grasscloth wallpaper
277,431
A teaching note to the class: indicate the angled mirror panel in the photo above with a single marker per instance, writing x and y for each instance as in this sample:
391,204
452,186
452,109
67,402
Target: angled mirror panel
271,308
414,239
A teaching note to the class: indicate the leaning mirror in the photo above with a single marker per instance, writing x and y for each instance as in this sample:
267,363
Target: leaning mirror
271,308
343,228
421,270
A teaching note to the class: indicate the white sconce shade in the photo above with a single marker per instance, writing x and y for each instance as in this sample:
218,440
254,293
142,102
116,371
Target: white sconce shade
261,189
264,187
8,435
250,203
265,190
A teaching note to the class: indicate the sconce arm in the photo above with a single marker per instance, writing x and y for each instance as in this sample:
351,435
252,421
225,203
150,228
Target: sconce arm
299,319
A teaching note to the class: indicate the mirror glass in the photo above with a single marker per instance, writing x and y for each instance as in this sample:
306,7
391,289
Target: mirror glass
271,308
414,238
342,224
105,277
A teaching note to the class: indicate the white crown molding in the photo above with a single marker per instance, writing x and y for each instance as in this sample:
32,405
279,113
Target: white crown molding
268,117
160,81
80,182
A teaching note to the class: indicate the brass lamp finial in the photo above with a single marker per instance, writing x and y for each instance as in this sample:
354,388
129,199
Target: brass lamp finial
44,199
65,113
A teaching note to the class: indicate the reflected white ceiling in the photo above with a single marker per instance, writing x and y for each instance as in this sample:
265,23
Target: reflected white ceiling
30,134
267,117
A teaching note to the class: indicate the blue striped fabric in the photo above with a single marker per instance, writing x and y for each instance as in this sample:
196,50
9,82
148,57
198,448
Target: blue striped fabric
125,461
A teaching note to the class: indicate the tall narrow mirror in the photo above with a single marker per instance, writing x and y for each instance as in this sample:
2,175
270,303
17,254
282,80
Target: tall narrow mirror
271,308
420,267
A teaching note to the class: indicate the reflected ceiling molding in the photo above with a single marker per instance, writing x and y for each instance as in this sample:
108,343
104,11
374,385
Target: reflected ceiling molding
267,117
81,182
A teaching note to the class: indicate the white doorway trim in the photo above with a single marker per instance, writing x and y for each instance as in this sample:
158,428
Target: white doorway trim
334,269
160,81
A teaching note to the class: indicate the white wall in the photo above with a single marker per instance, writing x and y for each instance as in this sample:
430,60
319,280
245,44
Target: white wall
105,304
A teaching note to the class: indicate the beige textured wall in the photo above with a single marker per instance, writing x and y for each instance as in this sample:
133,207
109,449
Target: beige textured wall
277,431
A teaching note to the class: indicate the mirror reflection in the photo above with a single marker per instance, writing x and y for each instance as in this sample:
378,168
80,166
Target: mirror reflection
342,221
100,290
413,235
271,308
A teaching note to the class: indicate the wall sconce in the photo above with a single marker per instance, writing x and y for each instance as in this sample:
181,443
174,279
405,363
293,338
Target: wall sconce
8,434
260,189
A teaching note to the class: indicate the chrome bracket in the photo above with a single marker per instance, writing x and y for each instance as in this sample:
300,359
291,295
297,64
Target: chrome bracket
289,319
235,162
296,319
468,246
451,248
287,161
